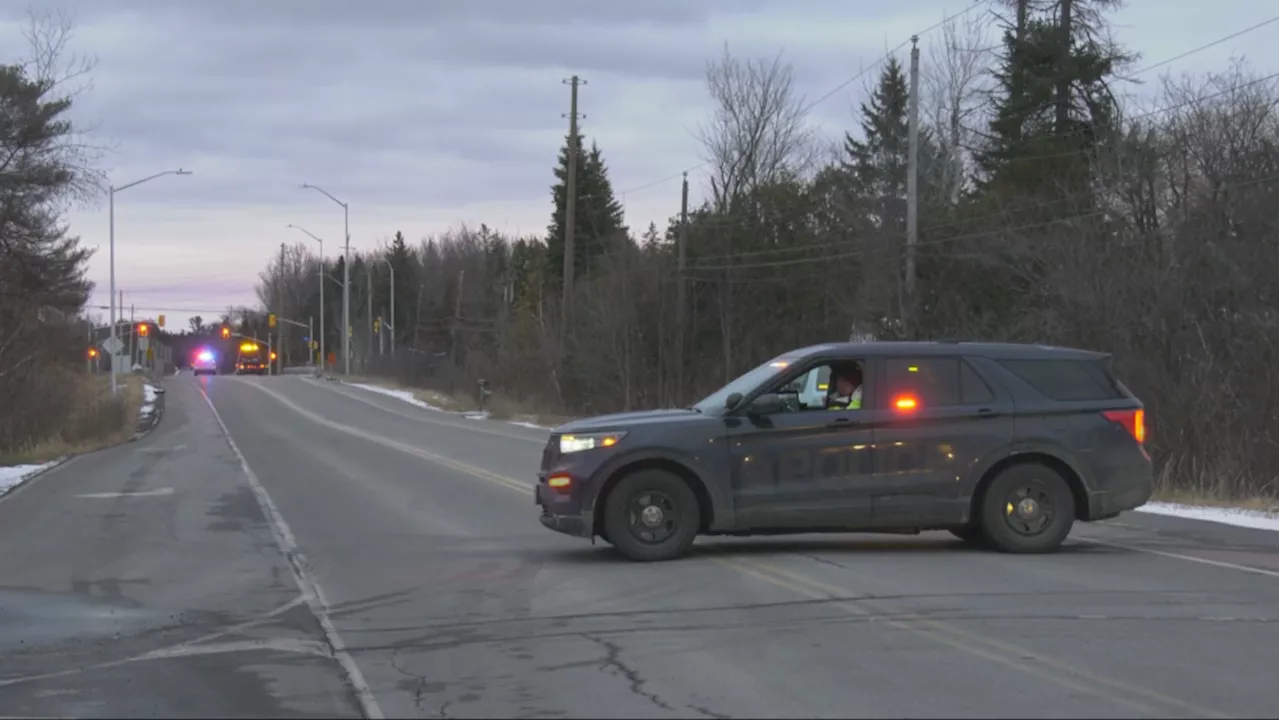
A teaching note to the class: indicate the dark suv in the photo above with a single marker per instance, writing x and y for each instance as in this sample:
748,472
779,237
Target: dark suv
1001,444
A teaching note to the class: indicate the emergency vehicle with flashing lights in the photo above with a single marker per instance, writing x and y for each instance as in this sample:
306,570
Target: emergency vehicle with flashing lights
1003,445
250,359
205,362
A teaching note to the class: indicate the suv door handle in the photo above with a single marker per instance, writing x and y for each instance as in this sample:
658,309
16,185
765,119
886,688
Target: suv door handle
985,413
843,423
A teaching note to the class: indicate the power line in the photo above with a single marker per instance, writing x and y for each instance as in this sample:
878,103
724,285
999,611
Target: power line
860,251
826,96
745,222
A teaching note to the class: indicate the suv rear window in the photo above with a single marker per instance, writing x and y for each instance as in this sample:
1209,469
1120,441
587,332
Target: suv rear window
1066,380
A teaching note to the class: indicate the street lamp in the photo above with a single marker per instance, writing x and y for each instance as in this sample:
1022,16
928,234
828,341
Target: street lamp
346,278
323,356
111,203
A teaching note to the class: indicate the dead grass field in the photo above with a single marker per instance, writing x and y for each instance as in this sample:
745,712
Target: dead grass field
96,420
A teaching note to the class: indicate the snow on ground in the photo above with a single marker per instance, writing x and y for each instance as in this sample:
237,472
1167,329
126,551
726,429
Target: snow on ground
148,400
11,476
404,395
1257,519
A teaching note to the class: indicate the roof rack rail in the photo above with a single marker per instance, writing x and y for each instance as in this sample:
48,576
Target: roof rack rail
949,340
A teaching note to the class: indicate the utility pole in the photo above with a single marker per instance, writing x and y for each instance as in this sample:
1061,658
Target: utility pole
393,323
570,207
907,309
683,242
280,316
368,276
457,318
133,334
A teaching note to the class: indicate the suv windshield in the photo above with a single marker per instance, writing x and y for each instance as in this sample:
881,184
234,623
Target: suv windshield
744,384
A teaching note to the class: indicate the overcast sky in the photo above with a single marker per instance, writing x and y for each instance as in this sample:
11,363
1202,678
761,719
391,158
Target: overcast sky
423,114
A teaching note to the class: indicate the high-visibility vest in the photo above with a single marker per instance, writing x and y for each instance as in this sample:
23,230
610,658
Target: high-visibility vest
855,401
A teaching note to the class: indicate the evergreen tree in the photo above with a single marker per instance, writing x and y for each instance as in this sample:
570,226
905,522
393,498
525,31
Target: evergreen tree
1055,106
877,166
402,261
598,214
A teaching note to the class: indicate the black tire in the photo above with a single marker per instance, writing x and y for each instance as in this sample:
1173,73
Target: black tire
677,517
1038,527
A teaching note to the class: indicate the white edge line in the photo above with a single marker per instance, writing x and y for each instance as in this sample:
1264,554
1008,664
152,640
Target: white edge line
1189,558
307,584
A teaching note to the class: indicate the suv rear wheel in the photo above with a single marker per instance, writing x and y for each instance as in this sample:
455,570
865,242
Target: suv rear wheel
651,515
1027,509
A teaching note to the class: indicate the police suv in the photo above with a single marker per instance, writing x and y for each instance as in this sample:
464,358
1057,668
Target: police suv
1003,445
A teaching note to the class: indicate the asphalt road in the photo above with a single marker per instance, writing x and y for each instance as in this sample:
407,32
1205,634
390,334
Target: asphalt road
416,581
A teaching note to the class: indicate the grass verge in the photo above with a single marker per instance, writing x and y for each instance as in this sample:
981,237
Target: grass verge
95,421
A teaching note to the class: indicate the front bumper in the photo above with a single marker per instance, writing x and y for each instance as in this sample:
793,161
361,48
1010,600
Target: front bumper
568,522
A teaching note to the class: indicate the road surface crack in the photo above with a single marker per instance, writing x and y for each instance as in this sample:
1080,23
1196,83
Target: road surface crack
612,660
420,685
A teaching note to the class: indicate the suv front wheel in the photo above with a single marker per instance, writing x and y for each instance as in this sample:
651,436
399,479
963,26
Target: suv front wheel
651,515
1028,509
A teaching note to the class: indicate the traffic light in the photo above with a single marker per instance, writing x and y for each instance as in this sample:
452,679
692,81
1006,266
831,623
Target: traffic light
226,332
160,321
271,320
273,355
93,353
142,330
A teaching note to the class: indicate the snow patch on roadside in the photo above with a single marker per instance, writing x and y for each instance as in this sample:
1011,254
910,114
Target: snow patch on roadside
149,395
11,476
1256,519
403,395
409,397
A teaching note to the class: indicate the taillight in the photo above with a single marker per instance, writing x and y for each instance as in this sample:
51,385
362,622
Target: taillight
1132,420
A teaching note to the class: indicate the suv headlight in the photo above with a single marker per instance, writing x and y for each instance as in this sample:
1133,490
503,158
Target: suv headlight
589,441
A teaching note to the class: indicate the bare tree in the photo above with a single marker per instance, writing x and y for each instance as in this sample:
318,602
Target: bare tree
954,84
757,133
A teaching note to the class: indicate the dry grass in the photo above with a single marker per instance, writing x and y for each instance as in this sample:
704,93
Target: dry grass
96,421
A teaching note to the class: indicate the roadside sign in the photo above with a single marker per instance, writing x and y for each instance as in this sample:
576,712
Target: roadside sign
112,345
151,354
333,358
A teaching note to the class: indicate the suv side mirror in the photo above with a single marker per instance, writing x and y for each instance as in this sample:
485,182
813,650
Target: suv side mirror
732,402
766,404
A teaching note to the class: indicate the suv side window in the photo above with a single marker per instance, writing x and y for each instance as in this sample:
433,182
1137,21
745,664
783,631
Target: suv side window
973,389
812,387
930,381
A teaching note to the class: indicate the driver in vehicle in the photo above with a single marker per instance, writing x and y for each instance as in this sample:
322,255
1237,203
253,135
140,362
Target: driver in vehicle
846,389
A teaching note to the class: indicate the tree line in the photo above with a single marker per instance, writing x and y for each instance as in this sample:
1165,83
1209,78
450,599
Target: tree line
48,164
1051,210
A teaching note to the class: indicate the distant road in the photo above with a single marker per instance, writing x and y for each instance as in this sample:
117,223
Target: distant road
424,586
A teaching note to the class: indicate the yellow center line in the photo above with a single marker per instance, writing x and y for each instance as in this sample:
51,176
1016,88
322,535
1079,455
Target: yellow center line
1003,653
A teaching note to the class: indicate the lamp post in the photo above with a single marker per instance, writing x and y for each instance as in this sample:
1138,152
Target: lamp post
323,356
346,278
111,211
